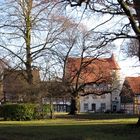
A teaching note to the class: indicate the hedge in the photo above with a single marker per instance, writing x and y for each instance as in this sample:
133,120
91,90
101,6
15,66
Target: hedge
24,111
17,111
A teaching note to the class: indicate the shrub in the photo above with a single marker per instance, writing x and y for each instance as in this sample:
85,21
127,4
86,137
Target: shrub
45,110
18,111
42,111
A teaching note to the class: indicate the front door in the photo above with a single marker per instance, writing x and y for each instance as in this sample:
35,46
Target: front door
93,107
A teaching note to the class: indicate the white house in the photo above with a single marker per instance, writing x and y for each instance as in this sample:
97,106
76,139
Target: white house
100,103
100,78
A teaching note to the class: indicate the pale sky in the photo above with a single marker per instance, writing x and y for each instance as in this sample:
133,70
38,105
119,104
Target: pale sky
129,66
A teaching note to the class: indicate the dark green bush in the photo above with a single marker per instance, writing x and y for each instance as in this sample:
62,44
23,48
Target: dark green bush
17,111
42,111
24,111
46,110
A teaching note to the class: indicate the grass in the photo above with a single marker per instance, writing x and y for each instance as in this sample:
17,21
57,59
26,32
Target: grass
80,127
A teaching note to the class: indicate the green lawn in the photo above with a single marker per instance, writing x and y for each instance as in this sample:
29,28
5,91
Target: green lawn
82,127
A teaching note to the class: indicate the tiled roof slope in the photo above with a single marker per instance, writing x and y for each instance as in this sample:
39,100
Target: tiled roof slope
92,69
134,84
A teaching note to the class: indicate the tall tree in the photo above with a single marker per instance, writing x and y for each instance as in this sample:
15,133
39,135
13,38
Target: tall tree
28,31
87,48
123,8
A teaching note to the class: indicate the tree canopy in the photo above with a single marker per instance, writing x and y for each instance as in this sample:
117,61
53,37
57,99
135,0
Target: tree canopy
129,9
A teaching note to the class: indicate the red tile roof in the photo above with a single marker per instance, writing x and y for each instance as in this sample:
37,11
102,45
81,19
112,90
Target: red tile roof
133,83
92,69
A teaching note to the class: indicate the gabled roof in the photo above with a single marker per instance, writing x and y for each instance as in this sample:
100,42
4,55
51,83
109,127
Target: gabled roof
112,63
133,83
90,69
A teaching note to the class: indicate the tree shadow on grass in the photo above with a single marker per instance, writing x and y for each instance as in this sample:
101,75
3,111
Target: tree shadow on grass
70,132
96,116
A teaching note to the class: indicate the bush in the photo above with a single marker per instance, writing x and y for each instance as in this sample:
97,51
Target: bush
46,110
17,111
42,112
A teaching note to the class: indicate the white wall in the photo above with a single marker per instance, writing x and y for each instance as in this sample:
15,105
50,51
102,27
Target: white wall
98,100
109,100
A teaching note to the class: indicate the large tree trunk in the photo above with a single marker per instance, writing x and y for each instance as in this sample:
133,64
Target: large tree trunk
137,8
74,107
28,41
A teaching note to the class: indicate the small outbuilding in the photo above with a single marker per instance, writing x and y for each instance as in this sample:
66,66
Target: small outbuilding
130,95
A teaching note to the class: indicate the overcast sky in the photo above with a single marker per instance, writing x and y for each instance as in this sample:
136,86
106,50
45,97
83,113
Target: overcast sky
129,66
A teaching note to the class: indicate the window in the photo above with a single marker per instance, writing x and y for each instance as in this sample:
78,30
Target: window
60,108
103,107
85,106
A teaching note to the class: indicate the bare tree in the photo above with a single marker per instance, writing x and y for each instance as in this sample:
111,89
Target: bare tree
29,30
89,48
52,90
83,73
77,41
123,8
